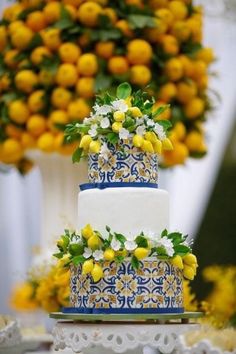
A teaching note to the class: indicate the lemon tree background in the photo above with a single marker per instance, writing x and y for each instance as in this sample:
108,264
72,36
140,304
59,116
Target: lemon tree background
55,55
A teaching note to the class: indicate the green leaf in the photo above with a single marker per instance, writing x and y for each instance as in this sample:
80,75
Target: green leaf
112,138
141,241
105,35
102,82
65,21
166,124
129,122
108,228
35,42
164,233
58,255
135,262
161,251
78,260
77,155
160,110
181,250
141,21
120,238
119,259
124,90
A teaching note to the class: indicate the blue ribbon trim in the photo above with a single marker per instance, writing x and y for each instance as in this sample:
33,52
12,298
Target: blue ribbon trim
86,186
97,311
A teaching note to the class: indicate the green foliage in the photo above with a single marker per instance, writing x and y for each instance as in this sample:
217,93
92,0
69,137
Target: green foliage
123,91
76,157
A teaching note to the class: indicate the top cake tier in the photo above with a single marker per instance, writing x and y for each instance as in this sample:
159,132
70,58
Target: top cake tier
128,166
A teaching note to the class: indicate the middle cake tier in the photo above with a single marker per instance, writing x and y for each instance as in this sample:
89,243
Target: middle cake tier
128,210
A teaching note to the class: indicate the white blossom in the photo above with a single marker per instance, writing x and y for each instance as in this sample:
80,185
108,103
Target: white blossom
104,152
130,245
124,133
167,244
141,130
87,252
120,105
158,129
105,123
102,110
93,130
98,255
139,120
150,123
115,244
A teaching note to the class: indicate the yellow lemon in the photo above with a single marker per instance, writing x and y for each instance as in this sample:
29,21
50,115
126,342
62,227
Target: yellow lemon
88,13
59,117
174,69
3,37
206,54
109,254
87,266
153,34
61,97
187,64
195,142
105,49
177,262
36,125
52,12
141,252
151,136
118,65
180,130
94,147
67,75
12,150
69,52
194,108
181,31
38,54
28,141
22,37
167,92
46,142
188,272
140,75
186,91
135,112
125,28
157,146
18,111
85,142
36,101
147,146
111,14
139,52
169,44
119,116
85,87
138,141
51,38
178,9
177,156
87,64
167,144
87,231
78,109
13,131
26,80
190,259
94,242
116,127
164,115
36,21
166,15
97,273
46,78
13,26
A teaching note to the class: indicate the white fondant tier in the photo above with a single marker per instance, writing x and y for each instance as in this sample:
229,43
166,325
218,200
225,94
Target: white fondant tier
127,210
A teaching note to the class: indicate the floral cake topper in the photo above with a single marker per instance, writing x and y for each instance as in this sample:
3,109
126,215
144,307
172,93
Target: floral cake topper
125,117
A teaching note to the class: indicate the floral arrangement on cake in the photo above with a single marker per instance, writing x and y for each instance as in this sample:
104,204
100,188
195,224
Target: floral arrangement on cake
55,55
92,249
120,118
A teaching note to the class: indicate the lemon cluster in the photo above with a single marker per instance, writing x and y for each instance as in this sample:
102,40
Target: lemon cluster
55,55
47,289
188,263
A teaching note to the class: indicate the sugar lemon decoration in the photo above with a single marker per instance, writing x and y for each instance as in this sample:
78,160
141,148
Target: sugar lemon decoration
97,272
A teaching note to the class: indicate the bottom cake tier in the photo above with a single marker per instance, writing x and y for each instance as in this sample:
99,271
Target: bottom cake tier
157,286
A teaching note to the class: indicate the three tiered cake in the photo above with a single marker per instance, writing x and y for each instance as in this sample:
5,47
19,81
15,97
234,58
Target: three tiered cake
124,260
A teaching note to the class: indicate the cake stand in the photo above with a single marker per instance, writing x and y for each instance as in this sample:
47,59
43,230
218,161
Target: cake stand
121,333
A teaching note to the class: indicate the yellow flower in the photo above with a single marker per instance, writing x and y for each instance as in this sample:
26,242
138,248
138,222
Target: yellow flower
135,112
119,116
22,297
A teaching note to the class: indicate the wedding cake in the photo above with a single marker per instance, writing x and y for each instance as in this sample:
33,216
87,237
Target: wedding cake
123,259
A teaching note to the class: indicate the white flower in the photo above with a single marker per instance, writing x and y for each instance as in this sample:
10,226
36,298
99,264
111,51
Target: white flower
150,123
102,110
85,121
124,133
120,105
139,120
98,255
105,123
104,152
158,129
130,245
87,252
93,130
141,130
167,244
115,244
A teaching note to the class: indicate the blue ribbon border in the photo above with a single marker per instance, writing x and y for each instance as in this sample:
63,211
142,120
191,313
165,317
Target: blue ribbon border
97,311
87,186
